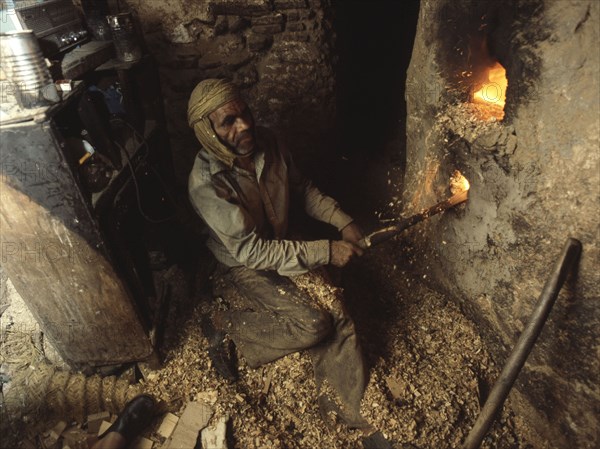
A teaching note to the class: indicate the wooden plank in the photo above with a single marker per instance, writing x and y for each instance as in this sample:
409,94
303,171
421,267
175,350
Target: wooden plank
194,418
167,425
95,420
54,255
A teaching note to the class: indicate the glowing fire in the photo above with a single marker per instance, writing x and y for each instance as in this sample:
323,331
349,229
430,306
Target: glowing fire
458,183
493,91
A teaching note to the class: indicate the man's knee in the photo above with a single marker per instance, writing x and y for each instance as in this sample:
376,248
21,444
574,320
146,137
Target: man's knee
318,325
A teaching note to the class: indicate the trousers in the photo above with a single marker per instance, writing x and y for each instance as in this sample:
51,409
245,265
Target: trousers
276,318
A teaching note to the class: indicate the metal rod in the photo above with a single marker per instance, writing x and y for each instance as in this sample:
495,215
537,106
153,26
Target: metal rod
387,233
521,351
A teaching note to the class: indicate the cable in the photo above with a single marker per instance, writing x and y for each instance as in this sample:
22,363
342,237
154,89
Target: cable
133,174
145,143
137,191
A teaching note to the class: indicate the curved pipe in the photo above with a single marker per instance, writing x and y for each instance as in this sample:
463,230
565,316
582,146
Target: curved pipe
517,358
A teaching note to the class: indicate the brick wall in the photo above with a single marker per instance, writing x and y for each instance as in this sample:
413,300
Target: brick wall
278,51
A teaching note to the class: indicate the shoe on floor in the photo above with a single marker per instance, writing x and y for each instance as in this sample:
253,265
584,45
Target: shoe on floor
134,418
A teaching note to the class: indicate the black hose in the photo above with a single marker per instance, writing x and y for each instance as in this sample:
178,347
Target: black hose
520,352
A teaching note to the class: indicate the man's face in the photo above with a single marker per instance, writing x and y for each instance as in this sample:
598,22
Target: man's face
234,125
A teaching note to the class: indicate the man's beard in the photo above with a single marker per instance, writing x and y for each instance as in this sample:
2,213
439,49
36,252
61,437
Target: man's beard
245,150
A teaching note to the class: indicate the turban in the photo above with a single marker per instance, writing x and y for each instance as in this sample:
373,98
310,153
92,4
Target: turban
208,96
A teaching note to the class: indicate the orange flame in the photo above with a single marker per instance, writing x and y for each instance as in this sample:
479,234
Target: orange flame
458,183
493,91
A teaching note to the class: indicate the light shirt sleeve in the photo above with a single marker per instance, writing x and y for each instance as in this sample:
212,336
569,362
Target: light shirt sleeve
233,226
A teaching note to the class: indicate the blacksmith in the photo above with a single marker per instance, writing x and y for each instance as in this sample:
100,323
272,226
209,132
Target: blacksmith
243,184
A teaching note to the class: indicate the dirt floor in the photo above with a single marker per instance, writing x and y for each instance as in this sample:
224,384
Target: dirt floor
429,373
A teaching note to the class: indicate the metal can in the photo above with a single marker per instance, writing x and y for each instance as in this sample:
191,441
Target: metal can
124,36
25,69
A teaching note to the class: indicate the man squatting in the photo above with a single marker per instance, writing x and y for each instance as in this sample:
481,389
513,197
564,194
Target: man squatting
242,185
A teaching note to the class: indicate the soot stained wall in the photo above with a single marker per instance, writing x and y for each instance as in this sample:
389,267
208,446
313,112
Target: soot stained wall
534,182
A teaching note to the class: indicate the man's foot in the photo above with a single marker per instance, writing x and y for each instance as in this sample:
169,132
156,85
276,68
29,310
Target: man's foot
221,349
135,417
376,441
329,411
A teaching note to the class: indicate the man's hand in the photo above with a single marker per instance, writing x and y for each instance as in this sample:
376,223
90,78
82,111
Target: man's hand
342,252
352,233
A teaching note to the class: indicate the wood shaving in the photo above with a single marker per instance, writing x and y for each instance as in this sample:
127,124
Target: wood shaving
429,370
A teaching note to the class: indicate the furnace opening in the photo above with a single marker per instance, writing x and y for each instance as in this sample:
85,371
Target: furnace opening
486,78
490,92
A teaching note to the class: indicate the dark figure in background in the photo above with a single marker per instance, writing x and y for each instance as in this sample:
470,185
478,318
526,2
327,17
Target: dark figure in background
242,185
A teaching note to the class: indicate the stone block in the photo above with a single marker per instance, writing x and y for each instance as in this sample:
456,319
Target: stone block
211,61
104,425
180,50
241,7
95,420
203,11
57,430
182,61
268,29
221,25
296,37
268,19
200,30
258,42
246,76
74,437
290,4
215,59
227,45
167,425
288,79
214,437
296,52
194,418
237,24
237,59
181,35
296,26
292,16
224,50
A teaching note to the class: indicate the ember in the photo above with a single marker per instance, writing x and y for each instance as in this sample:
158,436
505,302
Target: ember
492,92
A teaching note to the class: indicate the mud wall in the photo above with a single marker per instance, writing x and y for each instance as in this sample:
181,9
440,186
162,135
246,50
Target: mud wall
278,51
534,182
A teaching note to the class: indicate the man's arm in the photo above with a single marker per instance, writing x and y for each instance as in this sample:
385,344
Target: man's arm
235,228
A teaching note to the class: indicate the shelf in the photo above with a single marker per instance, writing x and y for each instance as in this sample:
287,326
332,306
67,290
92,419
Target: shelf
86,57
134,156
115,64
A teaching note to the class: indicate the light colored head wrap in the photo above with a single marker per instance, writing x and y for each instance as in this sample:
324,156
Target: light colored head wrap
208,96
